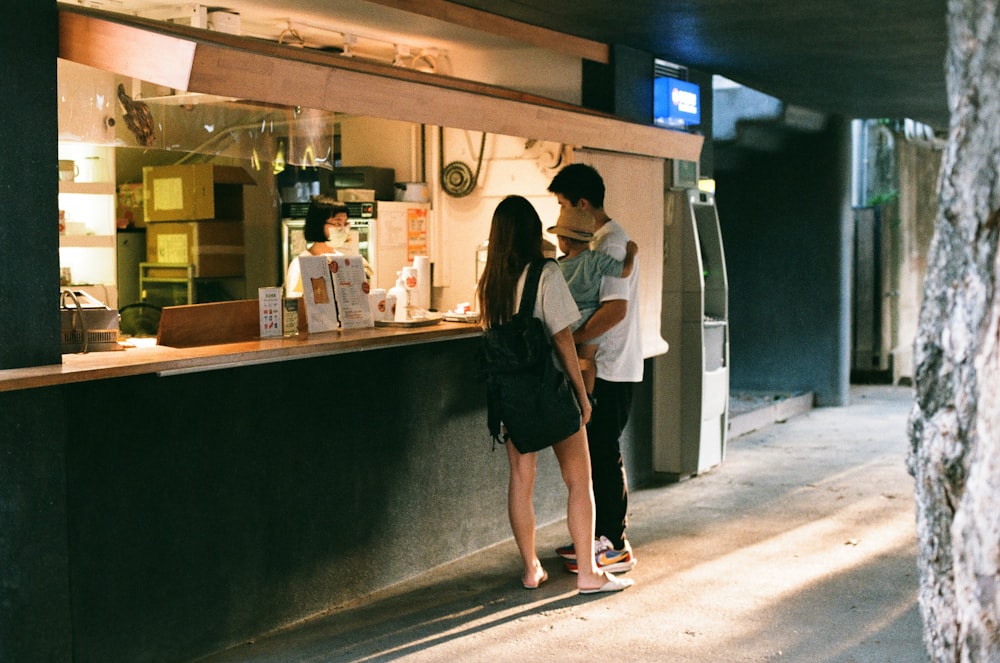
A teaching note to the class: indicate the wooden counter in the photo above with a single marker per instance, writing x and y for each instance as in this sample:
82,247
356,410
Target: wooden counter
164,360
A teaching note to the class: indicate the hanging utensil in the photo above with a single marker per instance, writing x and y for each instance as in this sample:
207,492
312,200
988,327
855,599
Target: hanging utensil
457,179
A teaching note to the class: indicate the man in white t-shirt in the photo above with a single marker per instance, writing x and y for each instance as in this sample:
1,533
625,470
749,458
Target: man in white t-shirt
619,367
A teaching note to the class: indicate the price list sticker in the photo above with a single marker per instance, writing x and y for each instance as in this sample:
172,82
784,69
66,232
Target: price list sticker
270,302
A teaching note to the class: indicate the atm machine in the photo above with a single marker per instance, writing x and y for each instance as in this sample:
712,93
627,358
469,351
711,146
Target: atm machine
691,382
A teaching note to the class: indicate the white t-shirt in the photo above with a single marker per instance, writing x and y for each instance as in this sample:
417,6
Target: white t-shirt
293,277
619,350
554,304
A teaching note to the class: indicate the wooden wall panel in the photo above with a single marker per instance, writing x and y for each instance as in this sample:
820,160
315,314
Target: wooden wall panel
123,49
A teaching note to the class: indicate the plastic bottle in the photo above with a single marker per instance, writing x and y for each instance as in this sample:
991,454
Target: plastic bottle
290,316
401,294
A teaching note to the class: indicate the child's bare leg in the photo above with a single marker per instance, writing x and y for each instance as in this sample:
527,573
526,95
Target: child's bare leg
588,368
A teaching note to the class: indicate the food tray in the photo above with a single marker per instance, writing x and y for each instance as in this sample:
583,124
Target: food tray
420,322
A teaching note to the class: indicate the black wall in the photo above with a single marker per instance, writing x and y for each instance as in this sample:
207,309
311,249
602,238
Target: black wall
35,614
34,583
29,231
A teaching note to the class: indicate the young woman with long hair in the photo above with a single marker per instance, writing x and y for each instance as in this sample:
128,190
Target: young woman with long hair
515,242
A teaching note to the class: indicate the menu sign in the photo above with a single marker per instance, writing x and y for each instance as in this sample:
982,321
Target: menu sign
317,291
351,288
416,232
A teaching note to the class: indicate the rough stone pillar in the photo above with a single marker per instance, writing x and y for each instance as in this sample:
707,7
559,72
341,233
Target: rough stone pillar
955,422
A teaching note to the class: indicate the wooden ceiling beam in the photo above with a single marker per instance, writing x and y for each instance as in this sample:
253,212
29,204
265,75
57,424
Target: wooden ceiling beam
148,55
195,60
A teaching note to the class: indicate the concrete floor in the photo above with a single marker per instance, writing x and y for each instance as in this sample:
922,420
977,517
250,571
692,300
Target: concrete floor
799,547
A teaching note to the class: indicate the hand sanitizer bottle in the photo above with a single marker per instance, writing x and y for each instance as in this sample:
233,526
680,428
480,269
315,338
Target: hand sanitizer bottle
401,295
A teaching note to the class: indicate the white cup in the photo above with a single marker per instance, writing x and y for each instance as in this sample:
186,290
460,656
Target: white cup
94,169
410,277
390,308
377,296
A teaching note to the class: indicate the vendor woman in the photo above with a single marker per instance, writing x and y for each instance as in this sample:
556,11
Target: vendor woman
327,232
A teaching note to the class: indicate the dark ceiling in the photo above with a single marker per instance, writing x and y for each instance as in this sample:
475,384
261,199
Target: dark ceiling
860,59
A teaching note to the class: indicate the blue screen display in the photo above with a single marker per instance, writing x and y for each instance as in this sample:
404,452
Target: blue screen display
676,103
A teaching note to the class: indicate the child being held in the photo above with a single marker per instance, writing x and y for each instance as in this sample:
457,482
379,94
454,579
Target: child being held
583,270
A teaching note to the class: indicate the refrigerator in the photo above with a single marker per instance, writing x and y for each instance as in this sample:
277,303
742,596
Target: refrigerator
399,231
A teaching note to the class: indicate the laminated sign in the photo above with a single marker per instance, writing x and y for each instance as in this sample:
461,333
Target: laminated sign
351,288
416,233
317,293
269,304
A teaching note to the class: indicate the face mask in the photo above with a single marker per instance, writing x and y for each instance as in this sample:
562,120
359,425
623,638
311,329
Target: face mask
338,237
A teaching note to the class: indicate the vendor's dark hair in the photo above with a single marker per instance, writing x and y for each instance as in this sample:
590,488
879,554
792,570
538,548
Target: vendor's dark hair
579,180
515,240
320,209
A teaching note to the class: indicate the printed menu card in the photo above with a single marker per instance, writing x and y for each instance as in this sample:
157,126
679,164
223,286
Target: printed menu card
350,286
317,291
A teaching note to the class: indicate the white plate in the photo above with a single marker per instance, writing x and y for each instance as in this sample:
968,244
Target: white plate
461,317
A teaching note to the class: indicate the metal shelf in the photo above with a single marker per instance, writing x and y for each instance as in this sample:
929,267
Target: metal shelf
174,284
183,274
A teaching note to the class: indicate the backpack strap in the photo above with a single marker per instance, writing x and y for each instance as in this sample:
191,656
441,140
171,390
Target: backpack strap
530,291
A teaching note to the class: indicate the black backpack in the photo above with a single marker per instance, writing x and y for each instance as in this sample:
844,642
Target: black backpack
525,389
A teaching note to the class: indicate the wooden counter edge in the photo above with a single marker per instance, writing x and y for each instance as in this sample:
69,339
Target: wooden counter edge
164,360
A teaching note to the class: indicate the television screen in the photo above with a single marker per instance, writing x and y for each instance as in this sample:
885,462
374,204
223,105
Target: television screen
676,103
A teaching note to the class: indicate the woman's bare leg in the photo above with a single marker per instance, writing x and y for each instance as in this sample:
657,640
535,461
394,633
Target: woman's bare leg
521,511
574,462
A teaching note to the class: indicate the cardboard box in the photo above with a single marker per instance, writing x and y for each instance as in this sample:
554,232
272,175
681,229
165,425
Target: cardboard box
215,248
196,192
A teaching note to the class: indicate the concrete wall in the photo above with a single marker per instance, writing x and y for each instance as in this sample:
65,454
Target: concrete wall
786,225
207,508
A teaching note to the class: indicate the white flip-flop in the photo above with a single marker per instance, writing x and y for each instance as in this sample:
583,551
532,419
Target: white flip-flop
612,585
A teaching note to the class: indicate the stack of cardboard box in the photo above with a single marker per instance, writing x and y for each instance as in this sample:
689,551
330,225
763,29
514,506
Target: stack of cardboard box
194,216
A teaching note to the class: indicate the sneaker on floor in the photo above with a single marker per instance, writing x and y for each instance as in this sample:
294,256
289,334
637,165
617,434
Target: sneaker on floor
569,551
607,558
566,552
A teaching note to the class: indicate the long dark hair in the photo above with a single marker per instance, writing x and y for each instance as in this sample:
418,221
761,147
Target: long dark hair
515,240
